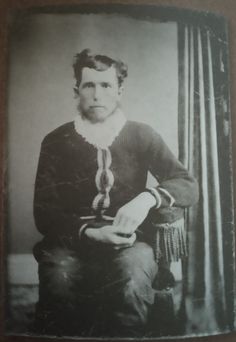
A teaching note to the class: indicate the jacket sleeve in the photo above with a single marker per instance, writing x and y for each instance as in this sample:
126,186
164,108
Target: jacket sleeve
51,218
176,186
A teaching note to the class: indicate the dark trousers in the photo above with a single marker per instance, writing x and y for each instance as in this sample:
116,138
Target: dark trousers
100,292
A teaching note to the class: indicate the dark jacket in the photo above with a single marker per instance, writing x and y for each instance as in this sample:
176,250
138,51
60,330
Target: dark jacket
65,183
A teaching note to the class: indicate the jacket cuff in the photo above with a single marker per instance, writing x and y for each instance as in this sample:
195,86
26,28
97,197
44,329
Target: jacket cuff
154,192
162,196
167,199
82,230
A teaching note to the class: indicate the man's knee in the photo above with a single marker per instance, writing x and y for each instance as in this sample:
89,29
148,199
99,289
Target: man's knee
133,300
59,273
134,270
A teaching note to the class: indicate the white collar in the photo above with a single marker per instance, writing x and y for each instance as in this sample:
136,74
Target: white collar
101,134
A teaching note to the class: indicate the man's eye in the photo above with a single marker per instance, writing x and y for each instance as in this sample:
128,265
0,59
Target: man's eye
88,85
106,85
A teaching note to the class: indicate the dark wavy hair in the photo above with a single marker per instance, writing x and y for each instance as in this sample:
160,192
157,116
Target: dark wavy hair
88,59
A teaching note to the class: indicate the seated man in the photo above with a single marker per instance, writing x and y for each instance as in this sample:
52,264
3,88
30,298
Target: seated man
96,266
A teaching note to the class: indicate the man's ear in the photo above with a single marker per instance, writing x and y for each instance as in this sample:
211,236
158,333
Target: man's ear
120,90
76,91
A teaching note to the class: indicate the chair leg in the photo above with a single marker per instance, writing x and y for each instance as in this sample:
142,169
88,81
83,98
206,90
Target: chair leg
162,317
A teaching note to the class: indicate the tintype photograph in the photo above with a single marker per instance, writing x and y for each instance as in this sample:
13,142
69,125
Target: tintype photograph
118,173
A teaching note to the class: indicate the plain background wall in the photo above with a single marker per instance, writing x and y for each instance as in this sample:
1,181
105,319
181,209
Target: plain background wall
40,95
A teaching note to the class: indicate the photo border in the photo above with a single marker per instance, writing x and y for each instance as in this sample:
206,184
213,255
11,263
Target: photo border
225,8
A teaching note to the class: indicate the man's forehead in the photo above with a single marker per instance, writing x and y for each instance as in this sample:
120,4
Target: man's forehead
92,75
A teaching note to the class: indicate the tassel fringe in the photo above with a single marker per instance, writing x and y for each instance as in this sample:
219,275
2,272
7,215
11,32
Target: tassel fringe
170,241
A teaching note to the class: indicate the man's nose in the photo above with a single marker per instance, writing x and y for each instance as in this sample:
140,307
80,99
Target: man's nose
97,92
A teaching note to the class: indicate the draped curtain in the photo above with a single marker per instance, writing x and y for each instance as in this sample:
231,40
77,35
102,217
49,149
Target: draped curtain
204,148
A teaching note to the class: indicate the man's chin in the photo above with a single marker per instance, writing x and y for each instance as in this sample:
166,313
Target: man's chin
97,116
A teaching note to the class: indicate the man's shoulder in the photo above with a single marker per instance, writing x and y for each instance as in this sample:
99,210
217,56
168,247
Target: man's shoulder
59,133
140,126
141,129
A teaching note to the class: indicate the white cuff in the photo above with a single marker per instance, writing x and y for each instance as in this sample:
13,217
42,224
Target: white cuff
157,196
82,229
168,195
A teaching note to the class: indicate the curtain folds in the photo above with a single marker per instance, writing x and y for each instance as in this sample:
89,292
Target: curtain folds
202,120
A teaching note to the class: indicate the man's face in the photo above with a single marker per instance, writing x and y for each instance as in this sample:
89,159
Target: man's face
99,94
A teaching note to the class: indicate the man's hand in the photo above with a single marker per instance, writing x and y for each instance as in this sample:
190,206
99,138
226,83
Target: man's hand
132,214
110,235
122,233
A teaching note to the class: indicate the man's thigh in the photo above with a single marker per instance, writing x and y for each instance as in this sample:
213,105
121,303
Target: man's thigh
66,277
128,289
136,261
130,272
64,273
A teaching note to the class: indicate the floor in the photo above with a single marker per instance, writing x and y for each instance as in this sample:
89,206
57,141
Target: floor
21,304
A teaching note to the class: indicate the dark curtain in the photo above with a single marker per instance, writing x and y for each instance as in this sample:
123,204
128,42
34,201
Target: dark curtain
204,148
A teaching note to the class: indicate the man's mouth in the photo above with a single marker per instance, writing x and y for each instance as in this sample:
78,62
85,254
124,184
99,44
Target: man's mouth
97,106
